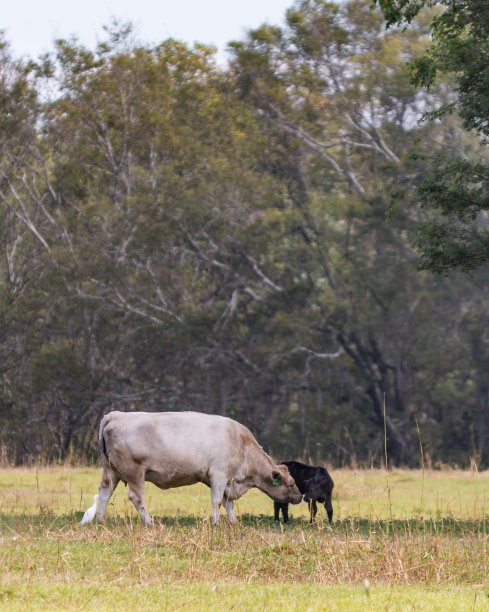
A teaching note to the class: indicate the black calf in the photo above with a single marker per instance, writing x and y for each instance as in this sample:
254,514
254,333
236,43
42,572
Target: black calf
314,483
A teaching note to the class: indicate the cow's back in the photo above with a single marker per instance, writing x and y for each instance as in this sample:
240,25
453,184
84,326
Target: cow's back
175,448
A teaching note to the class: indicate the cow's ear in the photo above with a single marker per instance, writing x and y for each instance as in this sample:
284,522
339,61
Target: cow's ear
276,478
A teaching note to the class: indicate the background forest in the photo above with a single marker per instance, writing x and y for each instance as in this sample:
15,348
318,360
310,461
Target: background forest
178,235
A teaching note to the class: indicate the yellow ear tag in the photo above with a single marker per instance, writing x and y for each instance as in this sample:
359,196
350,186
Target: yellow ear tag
275,482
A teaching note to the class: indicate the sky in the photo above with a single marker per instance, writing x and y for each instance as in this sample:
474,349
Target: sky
31,26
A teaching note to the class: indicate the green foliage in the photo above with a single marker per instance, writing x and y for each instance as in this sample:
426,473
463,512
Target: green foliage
181,236
460,49
396,11
459,239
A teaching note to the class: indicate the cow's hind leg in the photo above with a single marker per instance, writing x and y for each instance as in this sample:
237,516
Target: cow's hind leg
136,495
110,479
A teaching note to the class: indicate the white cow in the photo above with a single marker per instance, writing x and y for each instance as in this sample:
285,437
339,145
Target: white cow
173,449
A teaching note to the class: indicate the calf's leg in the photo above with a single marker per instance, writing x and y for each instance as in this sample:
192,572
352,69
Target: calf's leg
313,510
329,509
277,506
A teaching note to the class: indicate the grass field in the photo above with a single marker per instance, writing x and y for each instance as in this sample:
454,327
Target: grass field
417,541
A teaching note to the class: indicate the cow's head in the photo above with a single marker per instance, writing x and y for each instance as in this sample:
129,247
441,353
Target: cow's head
283,487
320,488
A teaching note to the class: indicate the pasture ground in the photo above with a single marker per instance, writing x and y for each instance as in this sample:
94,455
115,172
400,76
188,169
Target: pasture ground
417,541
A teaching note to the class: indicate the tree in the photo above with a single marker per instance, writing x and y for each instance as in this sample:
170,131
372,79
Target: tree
20,264
333,91
458,185
147,193
179,236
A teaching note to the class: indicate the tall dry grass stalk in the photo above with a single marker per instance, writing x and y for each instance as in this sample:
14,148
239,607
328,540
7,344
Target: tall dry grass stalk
388,486
124,553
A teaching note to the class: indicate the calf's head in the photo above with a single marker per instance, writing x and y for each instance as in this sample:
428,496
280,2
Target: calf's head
320,488
283,487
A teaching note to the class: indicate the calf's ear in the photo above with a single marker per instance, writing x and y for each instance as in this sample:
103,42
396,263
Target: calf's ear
276,478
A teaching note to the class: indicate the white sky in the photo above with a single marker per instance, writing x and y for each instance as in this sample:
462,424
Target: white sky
32,25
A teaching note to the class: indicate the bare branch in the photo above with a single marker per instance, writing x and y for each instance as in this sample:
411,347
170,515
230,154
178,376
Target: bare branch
380,145
258,272
319,147
304,349
24,217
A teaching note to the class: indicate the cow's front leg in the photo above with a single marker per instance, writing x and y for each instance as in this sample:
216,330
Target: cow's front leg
218,486
230,512
233,491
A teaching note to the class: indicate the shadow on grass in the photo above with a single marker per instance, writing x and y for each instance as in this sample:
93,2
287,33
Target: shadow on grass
435,525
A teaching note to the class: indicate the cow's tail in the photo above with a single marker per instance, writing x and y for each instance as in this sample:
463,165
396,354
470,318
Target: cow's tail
101,442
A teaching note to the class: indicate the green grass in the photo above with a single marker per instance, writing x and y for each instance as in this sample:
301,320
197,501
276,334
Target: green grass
222,596
427,550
